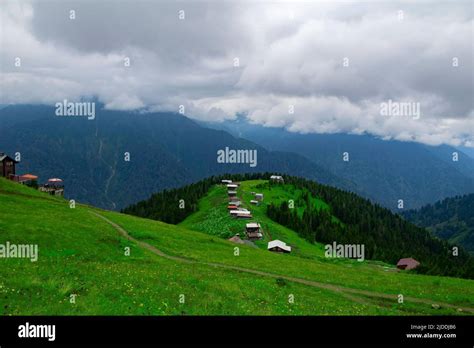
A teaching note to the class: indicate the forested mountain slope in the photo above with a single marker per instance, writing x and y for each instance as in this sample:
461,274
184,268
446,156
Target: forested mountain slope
451,219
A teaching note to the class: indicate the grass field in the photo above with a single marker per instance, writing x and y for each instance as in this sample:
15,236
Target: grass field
81,254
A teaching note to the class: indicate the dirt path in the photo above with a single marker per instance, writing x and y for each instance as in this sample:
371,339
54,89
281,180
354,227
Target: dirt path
331,287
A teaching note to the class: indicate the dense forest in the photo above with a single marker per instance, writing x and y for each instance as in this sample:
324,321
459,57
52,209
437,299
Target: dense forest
451,219
386,236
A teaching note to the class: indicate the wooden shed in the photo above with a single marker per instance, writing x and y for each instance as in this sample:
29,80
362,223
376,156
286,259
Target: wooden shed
253,230
277,178
407,263
7,166
278,246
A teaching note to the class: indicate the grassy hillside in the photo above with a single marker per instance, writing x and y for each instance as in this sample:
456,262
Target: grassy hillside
81,253
320,214
213,218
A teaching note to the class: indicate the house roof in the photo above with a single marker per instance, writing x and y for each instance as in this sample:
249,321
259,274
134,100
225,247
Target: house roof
55,180
240,211
278,243
407,261
6,157
245,215
252,225
29,177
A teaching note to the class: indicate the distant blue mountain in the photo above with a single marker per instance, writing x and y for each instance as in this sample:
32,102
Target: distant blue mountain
467,150
169,150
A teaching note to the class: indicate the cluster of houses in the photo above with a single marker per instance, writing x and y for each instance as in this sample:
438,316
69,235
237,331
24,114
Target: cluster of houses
53,186
253,230
234,205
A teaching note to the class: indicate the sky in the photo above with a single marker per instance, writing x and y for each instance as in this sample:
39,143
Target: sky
310,67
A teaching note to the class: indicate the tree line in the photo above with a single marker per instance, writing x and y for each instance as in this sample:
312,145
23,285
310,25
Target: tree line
385,235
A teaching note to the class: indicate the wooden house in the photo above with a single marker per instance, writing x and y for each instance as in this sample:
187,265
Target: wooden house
54,187
253,231
237,211
244,215
277,178
28,179
407,263
278,246
7,166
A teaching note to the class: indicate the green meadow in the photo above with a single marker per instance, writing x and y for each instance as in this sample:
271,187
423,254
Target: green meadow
85,258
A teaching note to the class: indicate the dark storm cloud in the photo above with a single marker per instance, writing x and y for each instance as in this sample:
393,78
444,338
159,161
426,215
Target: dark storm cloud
288,53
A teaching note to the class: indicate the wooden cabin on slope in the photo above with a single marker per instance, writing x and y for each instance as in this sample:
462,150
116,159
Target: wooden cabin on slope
278,246
253,231
277,179
7,166
407,263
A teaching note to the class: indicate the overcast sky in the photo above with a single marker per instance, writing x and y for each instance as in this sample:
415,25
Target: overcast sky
289,54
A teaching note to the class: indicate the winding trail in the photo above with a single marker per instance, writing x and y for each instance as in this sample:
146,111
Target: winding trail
346,292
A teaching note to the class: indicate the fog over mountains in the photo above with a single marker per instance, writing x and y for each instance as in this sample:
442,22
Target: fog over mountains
332,63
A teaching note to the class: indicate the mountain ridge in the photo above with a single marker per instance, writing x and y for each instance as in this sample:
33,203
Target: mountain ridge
450,219
165,149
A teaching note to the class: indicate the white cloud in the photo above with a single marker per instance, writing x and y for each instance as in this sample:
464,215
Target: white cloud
289,54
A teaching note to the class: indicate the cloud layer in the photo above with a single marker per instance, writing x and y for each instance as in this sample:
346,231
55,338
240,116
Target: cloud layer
322,67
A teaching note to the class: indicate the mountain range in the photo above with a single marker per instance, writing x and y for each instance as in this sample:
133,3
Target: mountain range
168,150
164,150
